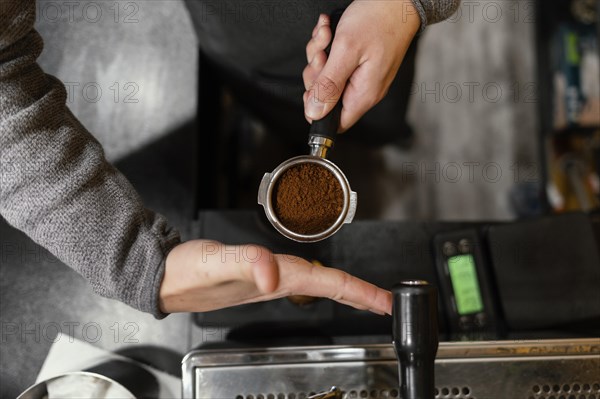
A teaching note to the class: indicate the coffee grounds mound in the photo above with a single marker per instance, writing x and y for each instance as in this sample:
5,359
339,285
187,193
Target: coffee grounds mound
308,198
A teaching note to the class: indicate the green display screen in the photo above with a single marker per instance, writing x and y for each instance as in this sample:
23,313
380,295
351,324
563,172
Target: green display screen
465,284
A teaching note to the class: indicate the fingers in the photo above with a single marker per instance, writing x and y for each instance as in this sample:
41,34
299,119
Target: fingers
265,272
320,39
326,84
203,275
252,264
365,89
323,20
367,50
219,263
313,69
315,51
302,278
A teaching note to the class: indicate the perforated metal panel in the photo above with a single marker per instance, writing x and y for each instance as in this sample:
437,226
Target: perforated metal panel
389,393
529,369
572,390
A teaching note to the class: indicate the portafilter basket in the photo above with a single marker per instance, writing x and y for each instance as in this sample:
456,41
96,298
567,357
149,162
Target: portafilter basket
320,139
267,188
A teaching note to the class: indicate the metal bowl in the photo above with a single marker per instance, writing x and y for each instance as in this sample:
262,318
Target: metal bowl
84,384
265,198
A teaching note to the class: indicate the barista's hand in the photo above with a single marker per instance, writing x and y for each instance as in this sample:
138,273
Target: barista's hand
203,275
371,40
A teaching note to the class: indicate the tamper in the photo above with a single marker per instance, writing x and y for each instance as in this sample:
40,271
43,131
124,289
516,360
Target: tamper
321,138
415,335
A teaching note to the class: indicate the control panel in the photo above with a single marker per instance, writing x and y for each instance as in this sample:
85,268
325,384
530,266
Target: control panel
466,293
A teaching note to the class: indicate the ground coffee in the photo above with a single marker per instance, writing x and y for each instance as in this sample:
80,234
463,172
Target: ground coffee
308,198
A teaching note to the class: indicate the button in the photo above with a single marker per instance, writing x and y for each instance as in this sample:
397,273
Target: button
449,249
480,320
465,246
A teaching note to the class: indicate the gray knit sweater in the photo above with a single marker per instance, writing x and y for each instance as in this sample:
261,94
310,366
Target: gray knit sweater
56,185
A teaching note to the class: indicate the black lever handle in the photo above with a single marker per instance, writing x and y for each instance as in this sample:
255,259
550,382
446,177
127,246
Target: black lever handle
415,334
328,126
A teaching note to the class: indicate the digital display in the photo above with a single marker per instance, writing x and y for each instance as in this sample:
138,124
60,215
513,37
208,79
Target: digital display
465,284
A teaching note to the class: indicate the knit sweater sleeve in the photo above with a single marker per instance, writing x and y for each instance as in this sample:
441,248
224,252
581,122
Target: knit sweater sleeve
57,186
434,11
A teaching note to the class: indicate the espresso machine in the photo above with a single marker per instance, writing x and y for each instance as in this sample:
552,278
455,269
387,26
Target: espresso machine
514,307
480,310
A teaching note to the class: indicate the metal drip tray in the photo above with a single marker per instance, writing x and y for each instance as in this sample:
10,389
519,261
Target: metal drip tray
504,369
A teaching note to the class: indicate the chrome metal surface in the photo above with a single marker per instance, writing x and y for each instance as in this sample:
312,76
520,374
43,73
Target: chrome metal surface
267,185
333,393
414,282
319,146
503,370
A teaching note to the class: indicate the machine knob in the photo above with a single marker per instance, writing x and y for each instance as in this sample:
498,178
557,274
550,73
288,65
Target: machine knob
415,334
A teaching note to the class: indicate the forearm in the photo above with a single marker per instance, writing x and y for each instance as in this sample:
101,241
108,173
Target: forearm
57,186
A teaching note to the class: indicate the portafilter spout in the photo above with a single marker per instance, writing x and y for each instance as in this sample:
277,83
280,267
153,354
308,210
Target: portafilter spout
415,335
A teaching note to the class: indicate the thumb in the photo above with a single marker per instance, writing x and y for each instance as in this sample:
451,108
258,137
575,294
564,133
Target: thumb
327,89
250,263
265,270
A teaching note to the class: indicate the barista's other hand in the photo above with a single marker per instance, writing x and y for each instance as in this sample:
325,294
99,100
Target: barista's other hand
202,275
370,42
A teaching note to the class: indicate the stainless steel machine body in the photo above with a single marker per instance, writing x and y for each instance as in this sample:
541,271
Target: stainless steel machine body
541,369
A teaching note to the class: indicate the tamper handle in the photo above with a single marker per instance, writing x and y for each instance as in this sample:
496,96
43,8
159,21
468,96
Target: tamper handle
415,334
323,131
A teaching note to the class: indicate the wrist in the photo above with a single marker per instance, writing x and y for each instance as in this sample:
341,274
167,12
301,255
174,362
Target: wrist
411,17
172,287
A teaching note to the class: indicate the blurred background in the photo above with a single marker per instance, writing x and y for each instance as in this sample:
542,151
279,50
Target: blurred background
503,124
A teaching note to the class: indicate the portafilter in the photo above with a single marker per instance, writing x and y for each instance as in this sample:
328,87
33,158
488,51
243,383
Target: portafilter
321,137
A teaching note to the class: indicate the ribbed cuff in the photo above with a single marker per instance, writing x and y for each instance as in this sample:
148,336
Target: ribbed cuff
149,296
154,301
